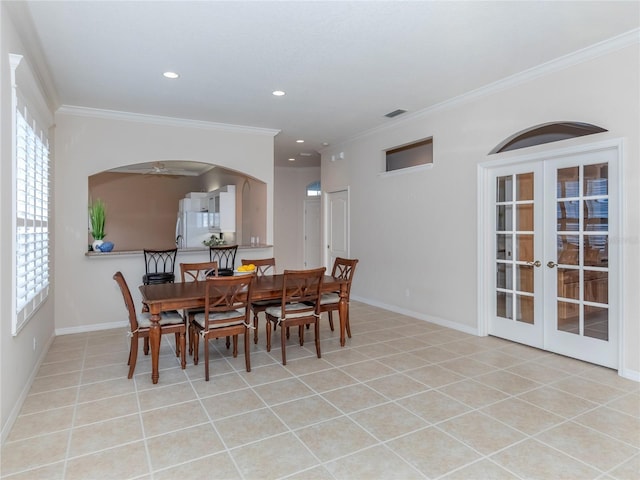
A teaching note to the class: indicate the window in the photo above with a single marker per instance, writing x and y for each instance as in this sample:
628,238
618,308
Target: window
546,133
411,155
313,189
31,223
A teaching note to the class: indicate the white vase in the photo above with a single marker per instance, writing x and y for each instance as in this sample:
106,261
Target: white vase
96,244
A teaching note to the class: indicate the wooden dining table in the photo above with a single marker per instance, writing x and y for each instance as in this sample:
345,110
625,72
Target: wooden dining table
178,296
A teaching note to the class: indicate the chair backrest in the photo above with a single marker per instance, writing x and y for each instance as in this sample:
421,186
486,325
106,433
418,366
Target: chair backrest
128,300
160,261
264,266
302,286
343,268
225,255
196,272
226,294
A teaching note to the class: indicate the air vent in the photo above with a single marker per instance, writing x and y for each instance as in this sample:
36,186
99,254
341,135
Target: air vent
395,113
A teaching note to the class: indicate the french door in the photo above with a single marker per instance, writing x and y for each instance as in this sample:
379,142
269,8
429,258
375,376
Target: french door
553,259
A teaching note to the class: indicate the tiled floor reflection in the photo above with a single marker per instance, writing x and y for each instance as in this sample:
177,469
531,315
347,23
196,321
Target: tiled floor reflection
404,399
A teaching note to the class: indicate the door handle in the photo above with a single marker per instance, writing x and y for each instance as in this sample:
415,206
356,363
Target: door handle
534,264
551,264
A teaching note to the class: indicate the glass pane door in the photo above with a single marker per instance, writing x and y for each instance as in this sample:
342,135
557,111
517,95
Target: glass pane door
582,241
579,318
551,222
515,210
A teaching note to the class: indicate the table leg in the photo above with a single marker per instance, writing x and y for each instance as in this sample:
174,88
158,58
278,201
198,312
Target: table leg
154,344
343,311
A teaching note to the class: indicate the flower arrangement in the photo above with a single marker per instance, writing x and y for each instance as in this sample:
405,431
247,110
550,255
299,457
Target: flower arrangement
97,217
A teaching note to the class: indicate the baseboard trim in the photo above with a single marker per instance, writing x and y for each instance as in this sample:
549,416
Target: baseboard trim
15,411
629,374
420,316
90,328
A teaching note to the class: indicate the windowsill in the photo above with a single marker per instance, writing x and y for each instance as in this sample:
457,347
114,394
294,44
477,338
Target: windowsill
408,170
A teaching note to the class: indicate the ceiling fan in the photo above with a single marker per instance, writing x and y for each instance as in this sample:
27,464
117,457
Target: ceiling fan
158,168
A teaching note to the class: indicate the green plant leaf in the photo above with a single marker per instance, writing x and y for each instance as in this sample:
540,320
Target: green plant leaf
97,216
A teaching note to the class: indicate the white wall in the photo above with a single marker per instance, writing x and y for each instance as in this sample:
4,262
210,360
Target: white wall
86,295
288,238
417,232
18,357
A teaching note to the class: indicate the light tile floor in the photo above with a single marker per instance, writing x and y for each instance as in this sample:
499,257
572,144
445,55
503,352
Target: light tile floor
404,399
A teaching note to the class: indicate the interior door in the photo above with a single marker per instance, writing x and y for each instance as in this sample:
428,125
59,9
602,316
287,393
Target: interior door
554,265
517,249
582,321
337,226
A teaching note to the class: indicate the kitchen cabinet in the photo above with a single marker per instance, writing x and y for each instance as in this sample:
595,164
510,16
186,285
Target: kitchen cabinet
222,209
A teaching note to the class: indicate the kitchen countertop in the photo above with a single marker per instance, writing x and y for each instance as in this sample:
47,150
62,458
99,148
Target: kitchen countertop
116,253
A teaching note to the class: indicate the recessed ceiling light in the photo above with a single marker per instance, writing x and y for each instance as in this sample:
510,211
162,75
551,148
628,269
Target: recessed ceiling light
171,75
278,93
292,159
300,141
325,144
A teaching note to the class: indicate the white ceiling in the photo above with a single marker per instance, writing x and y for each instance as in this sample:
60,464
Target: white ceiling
343,65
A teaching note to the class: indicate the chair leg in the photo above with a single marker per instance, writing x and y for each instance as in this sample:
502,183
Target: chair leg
235,346
317,330
206,358
331,321
178,344
348,326
282,342
183,350
190,339
247,358
268,325
301,334
145,347
133,355
255,327
196,344
228,343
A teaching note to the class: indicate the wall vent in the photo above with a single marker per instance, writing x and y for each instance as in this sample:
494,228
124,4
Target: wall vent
395,113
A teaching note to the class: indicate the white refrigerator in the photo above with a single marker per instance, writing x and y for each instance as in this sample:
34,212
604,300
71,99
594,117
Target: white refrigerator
192,228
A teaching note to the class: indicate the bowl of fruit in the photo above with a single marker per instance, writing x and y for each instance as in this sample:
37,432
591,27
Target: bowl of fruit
245,269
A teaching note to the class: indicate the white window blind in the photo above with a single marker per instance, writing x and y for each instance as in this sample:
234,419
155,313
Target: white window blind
32,217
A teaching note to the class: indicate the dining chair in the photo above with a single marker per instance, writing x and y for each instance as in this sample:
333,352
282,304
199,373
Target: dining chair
196,272
299,306
140,324
159,266
225,255
264,266
343,268
226,314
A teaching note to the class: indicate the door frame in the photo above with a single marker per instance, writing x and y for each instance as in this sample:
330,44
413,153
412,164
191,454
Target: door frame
485,271
305,243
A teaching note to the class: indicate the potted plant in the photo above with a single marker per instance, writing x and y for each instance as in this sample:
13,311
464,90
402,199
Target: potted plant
213,241
97,217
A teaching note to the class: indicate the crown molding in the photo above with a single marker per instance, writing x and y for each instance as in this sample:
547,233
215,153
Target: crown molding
22,22
160,120
596,50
